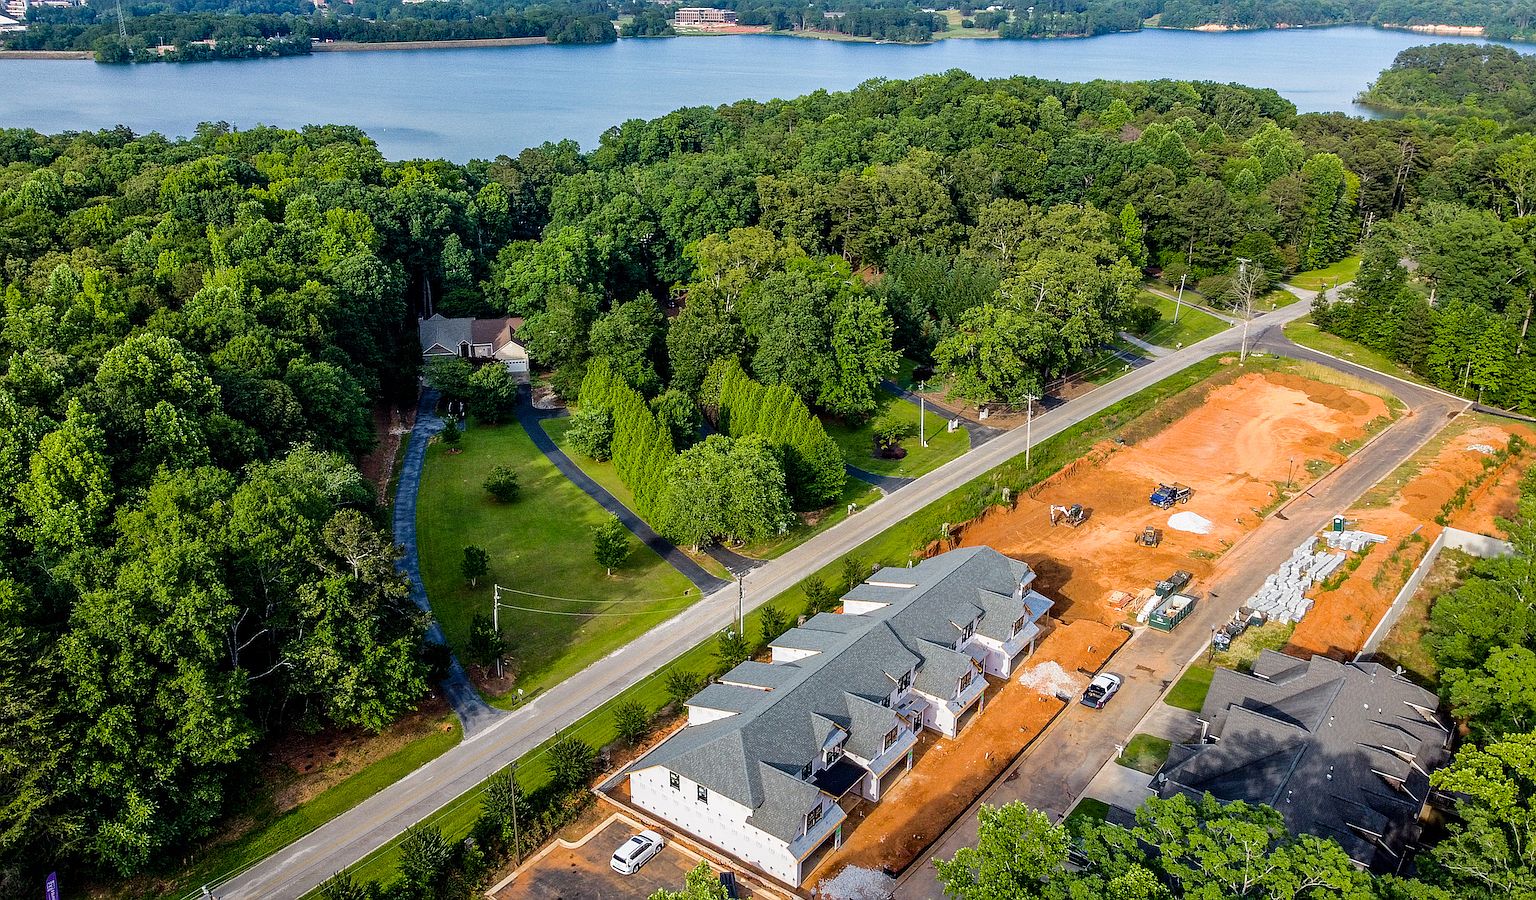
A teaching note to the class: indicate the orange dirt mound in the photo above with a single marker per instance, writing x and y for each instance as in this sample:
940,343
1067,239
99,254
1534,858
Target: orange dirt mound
1341,621
1235,450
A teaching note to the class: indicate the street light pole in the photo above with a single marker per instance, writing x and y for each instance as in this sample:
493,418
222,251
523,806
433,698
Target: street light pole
922,413
1245,294
1179,298
740,591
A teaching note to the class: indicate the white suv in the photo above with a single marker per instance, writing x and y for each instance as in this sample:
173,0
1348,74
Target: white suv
636,852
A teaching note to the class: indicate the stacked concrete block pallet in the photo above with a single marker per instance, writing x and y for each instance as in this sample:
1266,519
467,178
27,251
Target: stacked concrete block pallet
1283,596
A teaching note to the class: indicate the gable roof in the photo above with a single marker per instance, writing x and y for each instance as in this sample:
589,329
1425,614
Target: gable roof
1340,749
444,334
783,719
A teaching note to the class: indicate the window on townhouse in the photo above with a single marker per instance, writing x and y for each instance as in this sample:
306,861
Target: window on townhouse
965,680
1018,626
703,794
812,817
675,781
968,630
890,738
805,772
905,682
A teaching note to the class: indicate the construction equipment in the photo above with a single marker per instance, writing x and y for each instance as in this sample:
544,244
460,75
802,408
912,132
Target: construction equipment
1150,536
1167,495
1073,515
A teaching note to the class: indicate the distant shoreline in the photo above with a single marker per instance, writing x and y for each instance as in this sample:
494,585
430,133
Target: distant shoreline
370,46
1471,31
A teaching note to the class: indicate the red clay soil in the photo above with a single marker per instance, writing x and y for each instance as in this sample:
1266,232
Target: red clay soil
1342,620
949,775
1234,450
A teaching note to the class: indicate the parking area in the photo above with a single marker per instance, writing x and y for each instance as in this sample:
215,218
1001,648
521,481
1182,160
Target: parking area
581,872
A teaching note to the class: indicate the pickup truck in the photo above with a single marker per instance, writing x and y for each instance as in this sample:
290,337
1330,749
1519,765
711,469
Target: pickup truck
1167,495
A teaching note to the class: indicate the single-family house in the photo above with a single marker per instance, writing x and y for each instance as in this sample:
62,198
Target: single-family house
1342,750
474,339
773,750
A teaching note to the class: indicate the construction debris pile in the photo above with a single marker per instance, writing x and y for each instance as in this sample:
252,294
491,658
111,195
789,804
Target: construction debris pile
1283,596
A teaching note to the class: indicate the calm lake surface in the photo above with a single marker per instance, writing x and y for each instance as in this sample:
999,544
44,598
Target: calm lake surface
477,103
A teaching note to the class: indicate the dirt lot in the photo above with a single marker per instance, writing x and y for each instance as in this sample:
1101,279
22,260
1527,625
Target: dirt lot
950,774
1404,507
1236,450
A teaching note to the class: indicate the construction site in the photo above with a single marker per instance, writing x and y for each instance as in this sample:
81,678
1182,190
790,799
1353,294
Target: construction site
1226,463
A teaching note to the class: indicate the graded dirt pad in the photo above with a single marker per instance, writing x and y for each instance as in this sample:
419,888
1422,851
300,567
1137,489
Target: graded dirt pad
1235,450
1404,508
949,775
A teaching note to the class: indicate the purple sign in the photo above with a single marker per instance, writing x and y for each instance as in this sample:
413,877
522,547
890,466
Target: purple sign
51,886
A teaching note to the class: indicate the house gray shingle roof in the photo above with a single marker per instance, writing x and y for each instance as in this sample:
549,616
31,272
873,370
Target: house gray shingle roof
445,333
856,662
1316,740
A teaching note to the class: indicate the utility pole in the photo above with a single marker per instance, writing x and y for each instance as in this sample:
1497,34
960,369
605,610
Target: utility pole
496,622
1029,423
122,27
1179,298
1245,296
740,592
922,413
517,800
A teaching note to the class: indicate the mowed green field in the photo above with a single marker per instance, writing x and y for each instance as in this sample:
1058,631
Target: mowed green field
1338,273
858,443
1193,325
542,544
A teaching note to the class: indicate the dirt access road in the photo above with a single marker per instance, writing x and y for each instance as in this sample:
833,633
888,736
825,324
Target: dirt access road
1058,767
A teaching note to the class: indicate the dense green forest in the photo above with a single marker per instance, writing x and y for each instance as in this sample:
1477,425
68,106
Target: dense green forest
1446,288
253,28
195,333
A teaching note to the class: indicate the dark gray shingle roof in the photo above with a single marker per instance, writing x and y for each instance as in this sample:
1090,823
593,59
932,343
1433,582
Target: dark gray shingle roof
1315,741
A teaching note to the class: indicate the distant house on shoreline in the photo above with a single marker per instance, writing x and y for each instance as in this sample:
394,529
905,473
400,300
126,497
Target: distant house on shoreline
704,17
474,339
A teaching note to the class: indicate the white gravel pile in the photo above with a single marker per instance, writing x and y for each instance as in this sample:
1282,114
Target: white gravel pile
854,883
1194,523
1050,679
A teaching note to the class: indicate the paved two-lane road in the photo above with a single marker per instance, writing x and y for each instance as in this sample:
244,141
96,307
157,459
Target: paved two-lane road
304,864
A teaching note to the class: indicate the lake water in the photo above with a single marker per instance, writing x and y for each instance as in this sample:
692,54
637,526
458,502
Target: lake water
477,103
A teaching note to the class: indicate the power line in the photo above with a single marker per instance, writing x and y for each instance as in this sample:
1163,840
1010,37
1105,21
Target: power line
507,590
556,612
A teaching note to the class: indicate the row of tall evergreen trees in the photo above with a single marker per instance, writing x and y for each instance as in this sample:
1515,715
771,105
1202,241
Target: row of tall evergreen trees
641,449
740,406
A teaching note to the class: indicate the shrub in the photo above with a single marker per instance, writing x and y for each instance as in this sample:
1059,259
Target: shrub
682,684
591,433
571,761
632,721
502,484
889,430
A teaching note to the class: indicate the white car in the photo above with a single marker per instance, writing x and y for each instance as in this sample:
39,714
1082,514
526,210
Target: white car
1100,689
636,852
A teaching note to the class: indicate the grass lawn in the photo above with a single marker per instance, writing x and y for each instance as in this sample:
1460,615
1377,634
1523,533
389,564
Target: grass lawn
1189,693
1247,646
541,543
284,828
858,444
1086,810
1193,324
1405,644
1150,410
1145,753
1303,332
1338,273
608,478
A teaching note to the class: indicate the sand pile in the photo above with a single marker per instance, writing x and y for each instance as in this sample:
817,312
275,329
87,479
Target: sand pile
1050,679
1194,523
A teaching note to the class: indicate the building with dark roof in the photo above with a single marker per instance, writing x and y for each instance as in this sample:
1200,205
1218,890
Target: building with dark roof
475,339
1342,750
772,750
